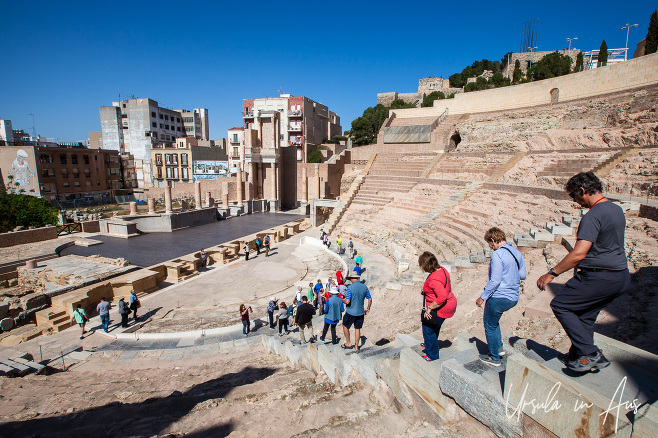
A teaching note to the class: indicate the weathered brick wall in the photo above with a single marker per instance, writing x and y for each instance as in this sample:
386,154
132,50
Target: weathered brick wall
27,236
91,227
330,177
649,212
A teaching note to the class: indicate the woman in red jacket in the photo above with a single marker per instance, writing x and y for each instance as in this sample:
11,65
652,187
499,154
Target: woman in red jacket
440,303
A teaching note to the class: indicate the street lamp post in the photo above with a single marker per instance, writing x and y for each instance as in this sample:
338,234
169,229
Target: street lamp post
571,39
628,29
530,66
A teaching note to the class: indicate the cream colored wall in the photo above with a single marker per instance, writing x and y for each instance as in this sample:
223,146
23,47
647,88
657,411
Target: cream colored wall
618,77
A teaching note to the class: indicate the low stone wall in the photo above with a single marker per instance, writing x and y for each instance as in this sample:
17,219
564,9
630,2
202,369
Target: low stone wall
27,236
649,212
216,187
91,227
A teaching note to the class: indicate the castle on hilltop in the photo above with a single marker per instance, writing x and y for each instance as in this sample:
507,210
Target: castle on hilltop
425,87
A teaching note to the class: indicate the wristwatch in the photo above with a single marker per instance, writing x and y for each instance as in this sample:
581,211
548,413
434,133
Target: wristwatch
552,272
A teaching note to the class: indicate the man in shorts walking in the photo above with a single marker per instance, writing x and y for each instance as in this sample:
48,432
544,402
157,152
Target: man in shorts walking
357,294
600,274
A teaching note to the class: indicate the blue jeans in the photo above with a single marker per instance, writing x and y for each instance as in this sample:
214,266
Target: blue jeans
431,338
105,322
246,327
493,310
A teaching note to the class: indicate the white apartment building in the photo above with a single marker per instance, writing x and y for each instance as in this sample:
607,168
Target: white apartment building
195,123
6,132
135,126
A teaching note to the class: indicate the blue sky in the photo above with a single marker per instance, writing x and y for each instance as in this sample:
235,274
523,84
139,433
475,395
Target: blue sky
62,60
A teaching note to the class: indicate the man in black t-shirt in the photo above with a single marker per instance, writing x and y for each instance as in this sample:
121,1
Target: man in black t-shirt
601,273
304,318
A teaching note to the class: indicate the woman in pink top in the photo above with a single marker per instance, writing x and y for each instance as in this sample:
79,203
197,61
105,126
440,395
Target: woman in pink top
438,297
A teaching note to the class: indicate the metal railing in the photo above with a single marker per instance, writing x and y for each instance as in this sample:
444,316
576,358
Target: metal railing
75,227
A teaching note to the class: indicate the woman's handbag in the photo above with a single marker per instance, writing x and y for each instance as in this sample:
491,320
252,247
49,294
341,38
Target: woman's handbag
433,321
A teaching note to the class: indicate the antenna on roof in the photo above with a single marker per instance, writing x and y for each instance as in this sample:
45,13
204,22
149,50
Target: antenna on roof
280,91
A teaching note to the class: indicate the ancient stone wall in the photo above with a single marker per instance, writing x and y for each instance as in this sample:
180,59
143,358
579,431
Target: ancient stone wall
534,57
215,187
627,75
27,236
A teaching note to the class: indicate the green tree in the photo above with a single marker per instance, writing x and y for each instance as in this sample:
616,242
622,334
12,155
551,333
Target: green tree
517,75
315,156
498,80
579,62
476,69
25,210
429,100
365,128
400,103
652,34
552,65
603,54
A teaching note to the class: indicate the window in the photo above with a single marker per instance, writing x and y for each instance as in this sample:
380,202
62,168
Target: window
161,125
65,173
154,124
178,128
166,117
162,136
46,187
124,116
181,144
235,152
168,172
158,159
159,172
66,184
166,126
48,173
76,184
85,159
167,158
62,158
246,125
183,159
178,119
167,137
76,173
188,119
161,116
46,158
175,172
87,173
153,114
88,184
185,173
174,158
235,138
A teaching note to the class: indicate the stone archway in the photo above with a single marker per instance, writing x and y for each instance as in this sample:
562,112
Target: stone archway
555,95
455,139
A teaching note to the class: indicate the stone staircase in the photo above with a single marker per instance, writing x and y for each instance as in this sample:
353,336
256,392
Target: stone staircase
506,167
603,168
53,318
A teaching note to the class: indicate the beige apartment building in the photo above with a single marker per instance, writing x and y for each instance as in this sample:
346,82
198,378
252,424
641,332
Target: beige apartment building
187,161
303,123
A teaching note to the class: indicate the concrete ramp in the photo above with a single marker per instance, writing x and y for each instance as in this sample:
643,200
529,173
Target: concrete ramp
408,134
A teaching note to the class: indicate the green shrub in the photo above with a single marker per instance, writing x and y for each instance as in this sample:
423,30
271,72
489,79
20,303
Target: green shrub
315,156
25,210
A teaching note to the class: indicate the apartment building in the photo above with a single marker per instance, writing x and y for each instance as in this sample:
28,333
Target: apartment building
135,126
195,123
303,123
6,132
188,161
60,173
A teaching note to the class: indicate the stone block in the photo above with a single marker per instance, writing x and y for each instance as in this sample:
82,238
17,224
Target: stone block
478,257
464,341
423,378
463,262
388,370
541,235
312,353
646,421
7,324
326,362
620,352
560,229
364,368
525,240
402,340
528,384
291,352
487,252
4,309
571,221
343,366
476,396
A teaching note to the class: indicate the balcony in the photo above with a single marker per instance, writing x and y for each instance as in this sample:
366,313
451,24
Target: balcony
295,128
295,113
248,115
295,143
235,141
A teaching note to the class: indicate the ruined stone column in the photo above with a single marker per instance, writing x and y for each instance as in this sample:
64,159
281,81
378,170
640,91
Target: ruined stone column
250,182
225,193
197,195
209,202
259,182
317,181
151,204
184,205
225,200
304,185
133,208
239,185
167,194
